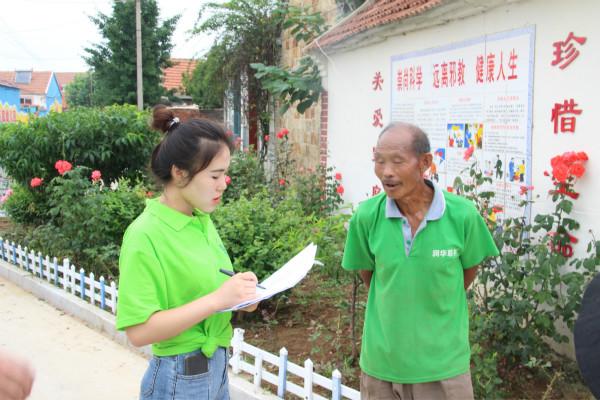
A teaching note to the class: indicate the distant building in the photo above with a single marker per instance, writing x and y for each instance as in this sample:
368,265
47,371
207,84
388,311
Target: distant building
9,102
173,77
64,78
40,91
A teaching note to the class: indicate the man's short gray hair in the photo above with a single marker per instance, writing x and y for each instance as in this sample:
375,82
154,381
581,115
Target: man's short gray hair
420,142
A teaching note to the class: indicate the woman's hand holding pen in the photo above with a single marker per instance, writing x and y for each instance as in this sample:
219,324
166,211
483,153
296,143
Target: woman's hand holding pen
237,289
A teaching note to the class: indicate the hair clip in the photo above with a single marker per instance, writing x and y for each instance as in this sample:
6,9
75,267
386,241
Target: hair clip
173,122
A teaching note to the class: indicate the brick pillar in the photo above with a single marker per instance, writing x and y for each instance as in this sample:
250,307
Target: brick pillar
323,141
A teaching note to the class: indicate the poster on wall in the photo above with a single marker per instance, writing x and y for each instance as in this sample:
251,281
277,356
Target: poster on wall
473,97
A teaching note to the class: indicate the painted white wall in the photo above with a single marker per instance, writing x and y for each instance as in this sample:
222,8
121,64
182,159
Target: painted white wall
352,100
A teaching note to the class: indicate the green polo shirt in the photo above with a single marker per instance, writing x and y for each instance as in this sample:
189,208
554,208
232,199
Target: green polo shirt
416,323
169,259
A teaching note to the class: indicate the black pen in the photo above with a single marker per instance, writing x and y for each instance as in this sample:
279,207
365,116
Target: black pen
231,273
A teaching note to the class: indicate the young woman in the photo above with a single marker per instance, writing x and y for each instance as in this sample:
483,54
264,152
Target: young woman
170,287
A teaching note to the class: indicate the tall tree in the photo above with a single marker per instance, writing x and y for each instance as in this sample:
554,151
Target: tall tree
80,91
248,32
206,84
113,61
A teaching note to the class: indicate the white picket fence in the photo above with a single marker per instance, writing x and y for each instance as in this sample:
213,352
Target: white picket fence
285,368
104,295
64,275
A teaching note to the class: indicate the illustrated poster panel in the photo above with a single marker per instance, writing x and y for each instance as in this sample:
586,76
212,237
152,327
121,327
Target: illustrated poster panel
475,94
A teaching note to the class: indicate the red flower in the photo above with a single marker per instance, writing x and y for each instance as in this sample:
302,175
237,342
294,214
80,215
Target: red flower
582,156
554,161
525,189
376,190
266,138
229,133
35,182
560,172
63,166
227,179
449,189
497,209
469,153
340,190
96,175
281,182
282,133
338,176
546,173
569,157
149,194
577,170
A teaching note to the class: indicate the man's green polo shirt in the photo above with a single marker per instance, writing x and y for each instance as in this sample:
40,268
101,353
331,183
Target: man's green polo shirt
169,259
416,323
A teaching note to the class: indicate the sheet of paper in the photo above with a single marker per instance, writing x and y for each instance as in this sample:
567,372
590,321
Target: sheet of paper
285,277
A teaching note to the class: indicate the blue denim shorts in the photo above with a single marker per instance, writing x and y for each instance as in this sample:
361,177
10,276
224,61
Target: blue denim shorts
165,379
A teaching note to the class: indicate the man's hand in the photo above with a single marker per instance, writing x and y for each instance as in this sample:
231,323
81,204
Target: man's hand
16,377
366,276
469,275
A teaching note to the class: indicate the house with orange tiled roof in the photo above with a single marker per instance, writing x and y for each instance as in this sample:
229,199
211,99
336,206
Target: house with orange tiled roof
173,76
64,78
40,91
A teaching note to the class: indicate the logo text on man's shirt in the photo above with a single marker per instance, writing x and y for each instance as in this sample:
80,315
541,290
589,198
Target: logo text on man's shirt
445,253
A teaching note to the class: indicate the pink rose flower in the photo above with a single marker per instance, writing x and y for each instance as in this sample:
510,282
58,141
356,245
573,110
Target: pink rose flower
96,175
35,182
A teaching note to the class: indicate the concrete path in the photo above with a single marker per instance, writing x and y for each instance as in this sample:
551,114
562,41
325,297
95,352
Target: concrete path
71,360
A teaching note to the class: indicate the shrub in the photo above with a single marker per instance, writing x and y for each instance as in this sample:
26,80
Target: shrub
25,206
261,235
86,221
116,140
247,175
522,294
317,190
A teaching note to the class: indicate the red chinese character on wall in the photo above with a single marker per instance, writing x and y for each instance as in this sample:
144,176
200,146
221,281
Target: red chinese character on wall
377,81
479,70
491,66
461,72
405,78
567,124
436,76
452,70
444,74
501,69
512,64
411,78
377,117
399,80
419,78
566,52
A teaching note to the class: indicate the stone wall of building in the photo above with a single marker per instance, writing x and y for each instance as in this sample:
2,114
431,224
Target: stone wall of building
308,144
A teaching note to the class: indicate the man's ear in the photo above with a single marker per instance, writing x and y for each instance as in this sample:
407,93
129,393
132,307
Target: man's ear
425,162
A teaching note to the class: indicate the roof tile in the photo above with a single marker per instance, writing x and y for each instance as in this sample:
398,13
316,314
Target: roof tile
373,14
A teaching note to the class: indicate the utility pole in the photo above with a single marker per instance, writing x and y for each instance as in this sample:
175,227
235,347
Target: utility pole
138,54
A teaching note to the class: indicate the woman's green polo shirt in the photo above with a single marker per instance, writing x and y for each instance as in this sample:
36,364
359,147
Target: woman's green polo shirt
169,259
416,324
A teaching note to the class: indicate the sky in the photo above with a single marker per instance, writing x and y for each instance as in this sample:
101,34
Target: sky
50,35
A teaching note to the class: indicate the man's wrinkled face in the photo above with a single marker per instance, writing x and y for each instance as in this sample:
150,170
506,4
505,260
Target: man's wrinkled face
398,168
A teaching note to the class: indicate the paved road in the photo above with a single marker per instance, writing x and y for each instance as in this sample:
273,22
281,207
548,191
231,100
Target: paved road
71,360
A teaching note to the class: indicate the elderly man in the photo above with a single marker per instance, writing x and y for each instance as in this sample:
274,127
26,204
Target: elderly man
417,248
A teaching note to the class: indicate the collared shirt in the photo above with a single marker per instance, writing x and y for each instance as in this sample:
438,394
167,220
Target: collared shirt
169,259
416,323
435,212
